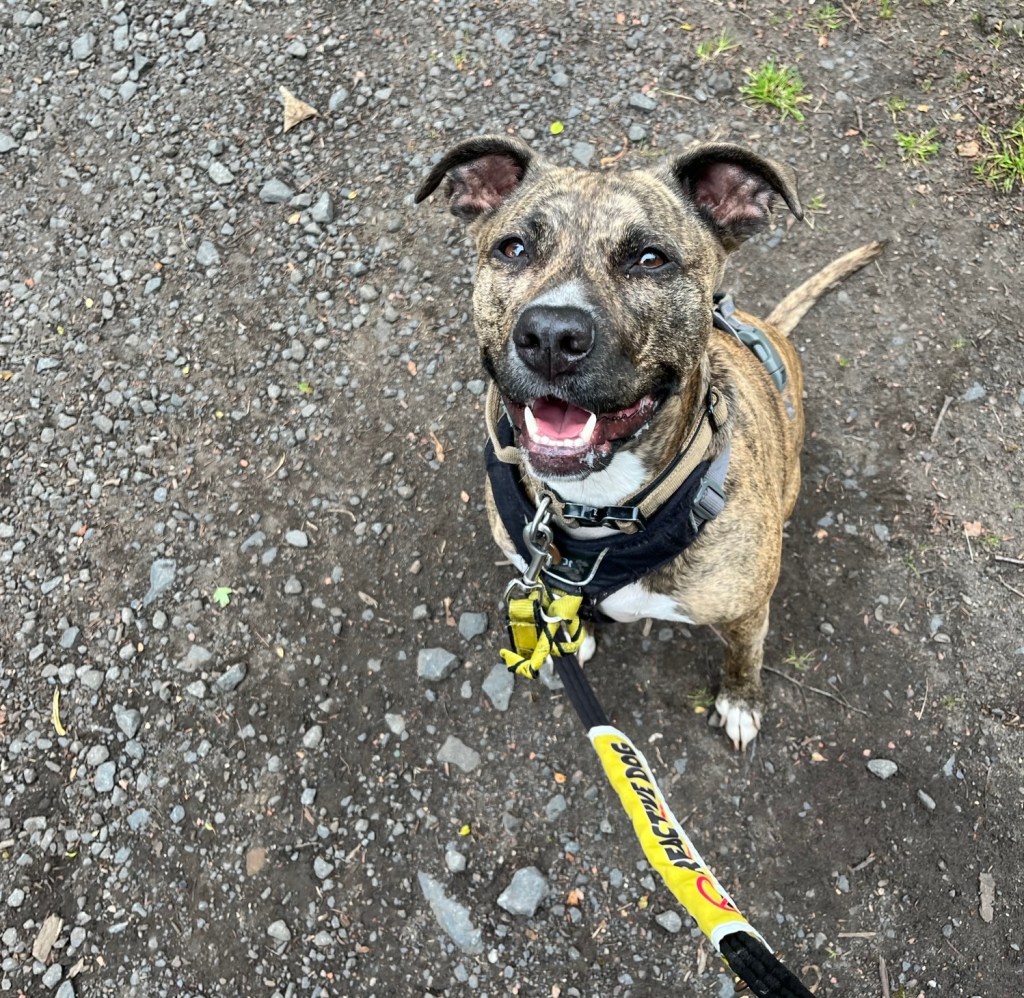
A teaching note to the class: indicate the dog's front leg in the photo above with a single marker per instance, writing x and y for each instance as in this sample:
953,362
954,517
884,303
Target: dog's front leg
740,702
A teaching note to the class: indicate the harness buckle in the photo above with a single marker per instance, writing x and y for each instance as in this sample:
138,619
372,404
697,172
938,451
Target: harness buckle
604,516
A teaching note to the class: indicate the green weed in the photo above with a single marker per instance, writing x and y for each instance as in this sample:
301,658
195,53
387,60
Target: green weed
716,46
918,146
886,9
826,18
1002,167
776,86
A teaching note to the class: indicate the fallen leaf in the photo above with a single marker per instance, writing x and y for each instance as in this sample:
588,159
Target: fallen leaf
973,528
574,897
987,891
293,218
449,617
559,777
368,600
222,595
55,714
438,448
823,41
465,830
6,375
968,150
46,937
924,108
295,110
411,367
255,860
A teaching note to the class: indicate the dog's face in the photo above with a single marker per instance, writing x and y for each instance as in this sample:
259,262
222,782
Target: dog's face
593,292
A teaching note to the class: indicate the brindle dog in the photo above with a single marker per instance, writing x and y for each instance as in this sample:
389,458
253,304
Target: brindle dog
593,312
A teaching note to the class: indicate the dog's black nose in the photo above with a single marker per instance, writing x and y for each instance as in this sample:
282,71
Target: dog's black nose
553,339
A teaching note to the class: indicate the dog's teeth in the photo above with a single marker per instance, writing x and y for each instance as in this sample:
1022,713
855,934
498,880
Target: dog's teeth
531,423
588,431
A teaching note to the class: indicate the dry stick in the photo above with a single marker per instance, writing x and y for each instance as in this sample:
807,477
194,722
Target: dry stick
938,422
1007,585
1009,561
814,689
883,976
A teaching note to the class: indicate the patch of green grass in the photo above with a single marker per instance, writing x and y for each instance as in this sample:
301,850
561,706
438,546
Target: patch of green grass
894,105
817,203
716,46
1002,167
826,18
843,361
886,9
799,662
918,147
701,699
776,86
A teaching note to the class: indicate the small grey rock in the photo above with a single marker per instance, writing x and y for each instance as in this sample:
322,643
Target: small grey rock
7,143
395,723
138,819
323,211
974,394
670,921
52,975
637,133
207,255
276,192
498,686
196,42
220,174
882,768
454,860
279,932
927,801
128,720
313,736
583,153
196,689
297,49
505,37
525,892
161,578
104,779
451,916
66,990
83,46
555,807
292,586
232,678
472,625
457,753
321,868
559,79
435,664
297,538
642,102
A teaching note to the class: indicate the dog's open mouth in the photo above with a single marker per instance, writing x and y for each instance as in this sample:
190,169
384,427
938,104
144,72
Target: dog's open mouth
563,440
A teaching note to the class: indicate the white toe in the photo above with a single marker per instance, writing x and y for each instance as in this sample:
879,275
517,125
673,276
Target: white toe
741,721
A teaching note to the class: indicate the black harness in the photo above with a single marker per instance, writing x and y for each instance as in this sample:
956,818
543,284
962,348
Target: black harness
595,568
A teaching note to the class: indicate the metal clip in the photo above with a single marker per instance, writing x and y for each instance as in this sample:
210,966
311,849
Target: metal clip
537,537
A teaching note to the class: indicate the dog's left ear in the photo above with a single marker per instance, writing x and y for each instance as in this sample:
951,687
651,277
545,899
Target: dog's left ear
481,173
733,188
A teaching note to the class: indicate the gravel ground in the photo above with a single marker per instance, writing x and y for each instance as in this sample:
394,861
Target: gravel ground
253,737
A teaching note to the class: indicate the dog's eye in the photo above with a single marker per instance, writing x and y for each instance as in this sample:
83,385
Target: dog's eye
512,249
650,259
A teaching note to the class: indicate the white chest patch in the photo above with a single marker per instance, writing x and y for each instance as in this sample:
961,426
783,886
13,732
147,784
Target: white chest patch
634,602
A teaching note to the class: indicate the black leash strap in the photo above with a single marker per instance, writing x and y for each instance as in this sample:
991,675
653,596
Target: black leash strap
670,851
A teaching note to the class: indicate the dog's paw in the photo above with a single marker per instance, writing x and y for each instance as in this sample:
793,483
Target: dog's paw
741,721
587,649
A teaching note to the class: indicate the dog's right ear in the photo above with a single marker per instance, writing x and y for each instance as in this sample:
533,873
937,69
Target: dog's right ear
481,173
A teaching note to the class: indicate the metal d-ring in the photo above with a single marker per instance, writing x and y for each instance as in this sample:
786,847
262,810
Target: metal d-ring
578,583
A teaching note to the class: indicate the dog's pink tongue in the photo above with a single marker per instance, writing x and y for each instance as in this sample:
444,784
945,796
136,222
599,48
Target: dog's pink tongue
559,420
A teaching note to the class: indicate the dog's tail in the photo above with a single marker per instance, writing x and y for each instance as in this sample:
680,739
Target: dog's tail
795,305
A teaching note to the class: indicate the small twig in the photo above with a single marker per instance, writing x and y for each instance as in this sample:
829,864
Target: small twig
857,935
924,699
1009,561
864,863
280,465
942,413
883,976
814,689
1016,592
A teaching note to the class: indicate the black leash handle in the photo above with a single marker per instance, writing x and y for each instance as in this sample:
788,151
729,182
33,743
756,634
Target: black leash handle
764,974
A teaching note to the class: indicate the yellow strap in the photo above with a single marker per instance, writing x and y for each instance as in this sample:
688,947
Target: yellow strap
536,625
665,844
